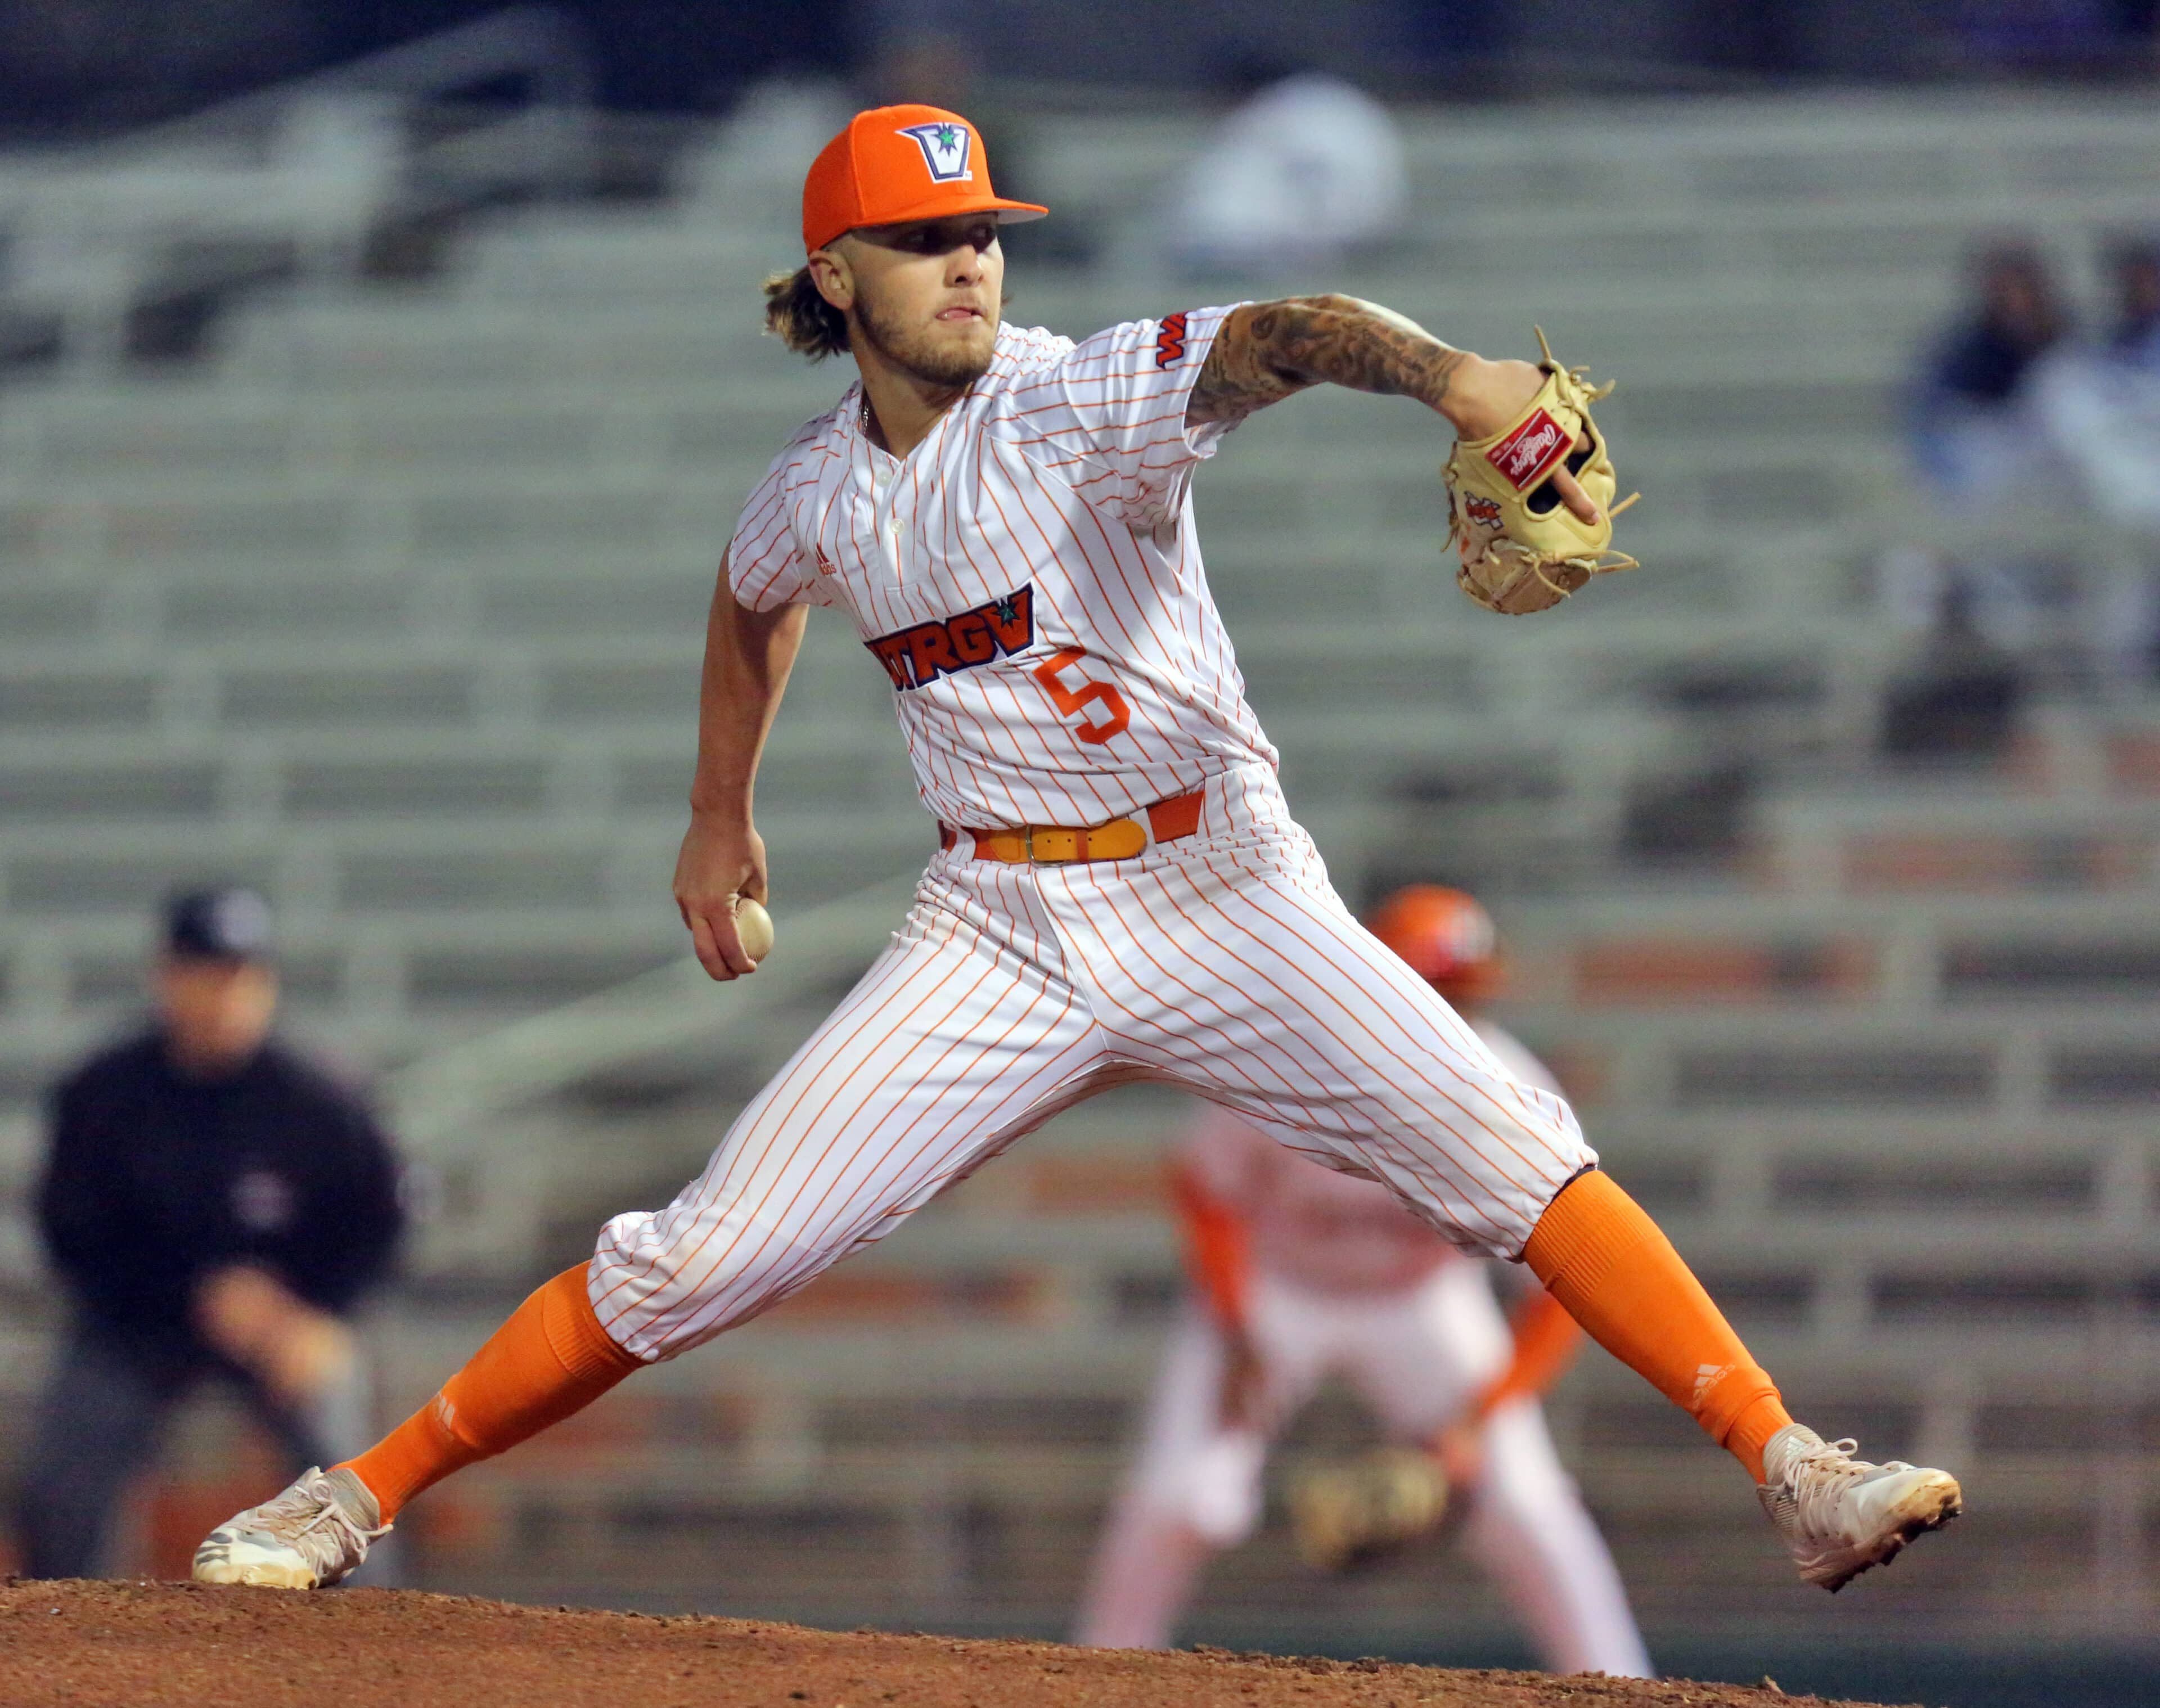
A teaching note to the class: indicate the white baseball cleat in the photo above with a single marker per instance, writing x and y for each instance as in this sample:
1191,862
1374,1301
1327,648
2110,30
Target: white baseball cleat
1839,1515
314,1534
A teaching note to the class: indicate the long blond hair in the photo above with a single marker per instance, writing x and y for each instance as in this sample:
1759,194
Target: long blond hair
798,316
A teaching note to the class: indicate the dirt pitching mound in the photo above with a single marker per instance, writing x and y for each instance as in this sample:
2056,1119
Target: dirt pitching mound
116,1645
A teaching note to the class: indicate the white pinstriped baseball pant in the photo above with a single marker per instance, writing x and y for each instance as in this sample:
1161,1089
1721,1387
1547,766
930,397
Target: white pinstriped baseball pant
1222,962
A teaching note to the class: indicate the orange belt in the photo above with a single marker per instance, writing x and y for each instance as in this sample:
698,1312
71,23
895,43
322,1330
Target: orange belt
1047,845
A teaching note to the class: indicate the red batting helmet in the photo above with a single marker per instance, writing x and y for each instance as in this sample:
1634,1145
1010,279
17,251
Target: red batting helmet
1445,935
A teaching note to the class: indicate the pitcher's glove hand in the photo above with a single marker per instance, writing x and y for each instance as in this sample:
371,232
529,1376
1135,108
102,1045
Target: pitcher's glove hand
1523,550
1357,1513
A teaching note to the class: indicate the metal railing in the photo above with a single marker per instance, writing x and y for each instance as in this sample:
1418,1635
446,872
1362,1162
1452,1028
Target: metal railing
540,43
434,1099
289,182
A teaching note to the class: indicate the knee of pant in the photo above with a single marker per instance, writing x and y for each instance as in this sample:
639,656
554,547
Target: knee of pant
1525,1500
1215,1492
681,1282
1522,1472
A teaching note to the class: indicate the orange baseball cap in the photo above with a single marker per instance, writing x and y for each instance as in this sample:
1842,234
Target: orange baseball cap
896,163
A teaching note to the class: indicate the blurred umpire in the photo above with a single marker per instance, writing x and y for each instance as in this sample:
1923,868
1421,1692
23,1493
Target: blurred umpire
214,1205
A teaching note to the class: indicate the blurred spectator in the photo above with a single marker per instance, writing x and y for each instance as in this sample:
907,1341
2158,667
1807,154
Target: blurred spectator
1304,172
2101,407
214,1205
2101,403
1974,433
1985,462
2138,279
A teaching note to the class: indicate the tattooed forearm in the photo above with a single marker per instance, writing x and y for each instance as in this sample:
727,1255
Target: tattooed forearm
1265,351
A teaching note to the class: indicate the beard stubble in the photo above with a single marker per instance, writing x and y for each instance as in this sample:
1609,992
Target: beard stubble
916,354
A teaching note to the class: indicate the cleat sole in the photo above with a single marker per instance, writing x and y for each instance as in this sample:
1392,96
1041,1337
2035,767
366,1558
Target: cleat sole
229,1562
263,1574
1937,1506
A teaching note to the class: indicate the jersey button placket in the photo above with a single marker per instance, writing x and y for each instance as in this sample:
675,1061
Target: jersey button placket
884,511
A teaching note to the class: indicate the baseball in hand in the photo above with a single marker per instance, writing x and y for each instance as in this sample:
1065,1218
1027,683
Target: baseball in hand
753,928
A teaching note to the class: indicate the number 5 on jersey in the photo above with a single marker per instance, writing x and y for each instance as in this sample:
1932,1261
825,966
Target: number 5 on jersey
1073,702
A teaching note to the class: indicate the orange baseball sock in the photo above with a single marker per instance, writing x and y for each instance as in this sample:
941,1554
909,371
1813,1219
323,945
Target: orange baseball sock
1619,1277
551,1358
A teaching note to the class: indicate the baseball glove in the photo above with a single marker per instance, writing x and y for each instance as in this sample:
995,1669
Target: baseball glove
1522,549
1357,1513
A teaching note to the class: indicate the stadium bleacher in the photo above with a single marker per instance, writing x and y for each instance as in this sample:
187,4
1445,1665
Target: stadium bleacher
392,603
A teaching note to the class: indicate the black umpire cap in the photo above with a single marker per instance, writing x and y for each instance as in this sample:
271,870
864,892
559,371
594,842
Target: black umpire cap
230,923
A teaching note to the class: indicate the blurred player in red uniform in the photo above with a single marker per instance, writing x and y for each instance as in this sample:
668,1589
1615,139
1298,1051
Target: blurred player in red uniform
1300,1272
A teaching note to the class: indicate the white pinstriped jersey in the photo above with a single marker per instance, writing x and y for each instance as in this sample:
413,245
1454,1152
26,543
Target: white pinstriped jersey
1028,576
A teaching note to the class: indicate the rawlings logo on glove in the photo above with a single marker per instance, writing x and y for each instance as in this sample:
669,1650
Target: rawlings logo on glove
1522,549
1527,454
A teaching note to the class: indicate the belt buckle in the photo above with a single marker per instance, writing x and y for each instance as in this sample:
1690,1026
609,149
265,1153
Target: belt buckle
1042,855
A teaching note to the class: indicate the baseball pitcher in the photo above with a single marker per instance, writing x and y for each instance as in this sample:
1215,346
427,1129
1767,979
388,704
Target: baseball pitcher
1119,890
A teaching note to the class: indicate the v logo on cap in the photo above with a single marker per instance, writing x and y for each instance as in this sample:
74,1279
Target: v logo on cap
945,151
